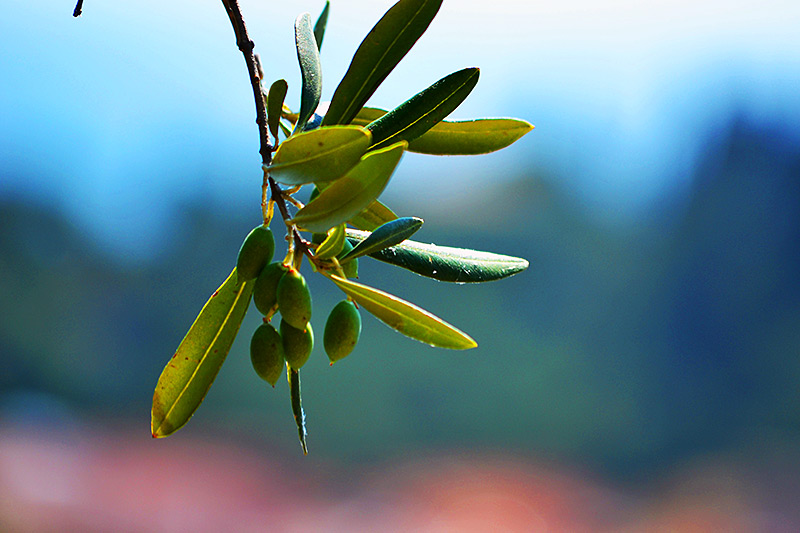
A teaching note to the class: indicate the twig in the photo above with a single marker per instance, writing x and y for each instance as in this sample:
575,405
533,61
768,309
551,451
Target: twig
246,46
78,9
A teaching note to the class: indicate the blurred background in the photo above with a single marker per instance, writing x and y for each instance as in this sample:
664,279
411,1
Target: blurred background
643,374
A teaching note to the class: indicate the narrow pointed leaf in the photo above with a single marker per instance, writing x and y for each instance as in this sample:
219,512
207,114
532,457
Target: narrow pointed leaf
422,111
466,137
406,317
444,263
333,243
373,216
377,55
323,154
348,196
275,98
470,137
321,24
308,56
386,235
191,371
297,405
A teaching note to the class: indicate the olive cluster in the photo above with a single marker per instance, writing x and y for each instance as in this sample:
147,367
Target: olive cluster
279,287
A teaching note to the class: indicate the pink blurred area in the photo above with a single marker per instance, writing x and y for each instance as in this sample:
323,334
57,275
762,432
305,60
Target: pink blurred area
100,479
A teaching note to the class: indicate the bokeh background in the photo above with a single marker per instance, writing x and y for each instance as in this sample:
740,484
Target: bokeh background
643,374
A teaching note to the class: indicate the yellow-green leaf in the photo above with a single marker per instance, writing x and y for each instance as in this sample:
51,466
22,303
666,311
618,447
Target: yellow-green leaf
348,196
373,216
464,137
323,154
191,371
333,243
406,317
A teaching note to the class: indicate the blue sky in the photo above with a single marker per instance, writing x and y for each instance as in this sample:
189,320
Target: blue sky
122,115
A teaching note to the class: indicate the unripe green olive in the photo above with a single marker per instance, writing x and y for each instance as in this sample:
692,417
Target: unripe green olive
342,330
266,353
265,291
294,299
297,344
350,268
256,251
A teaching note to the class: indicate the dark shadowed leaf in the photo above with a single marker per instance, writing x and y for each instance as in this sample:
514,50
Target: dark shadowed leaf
348,196
191,371
308,56
388,234
406,317
422,111
380,51
323,154
445,263
321,24
297,405
275,98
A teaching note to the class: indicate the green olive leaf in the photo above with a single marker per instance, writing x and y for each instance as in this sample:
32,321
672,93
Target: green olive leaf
323,154
444,263
470,137
377,55
405,317
321,24
191,371
333,243
422,111
388,234
348,196
308,56
297,405
275,98
463,137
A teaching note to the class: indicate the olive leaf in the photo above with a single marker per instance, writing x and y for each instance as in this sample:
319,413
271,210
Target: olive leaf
275,98
444,263
321,24
323,154
377,55
333,243
308,56
405,317
350,195
297,405
191,370
422,111
463,137
373,216
388,234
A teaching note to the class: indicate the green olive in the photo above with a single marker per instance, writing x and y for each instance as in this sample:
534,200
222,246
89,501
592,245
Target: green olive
342,330
265,291
297,344
256,251
294,299
266,353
